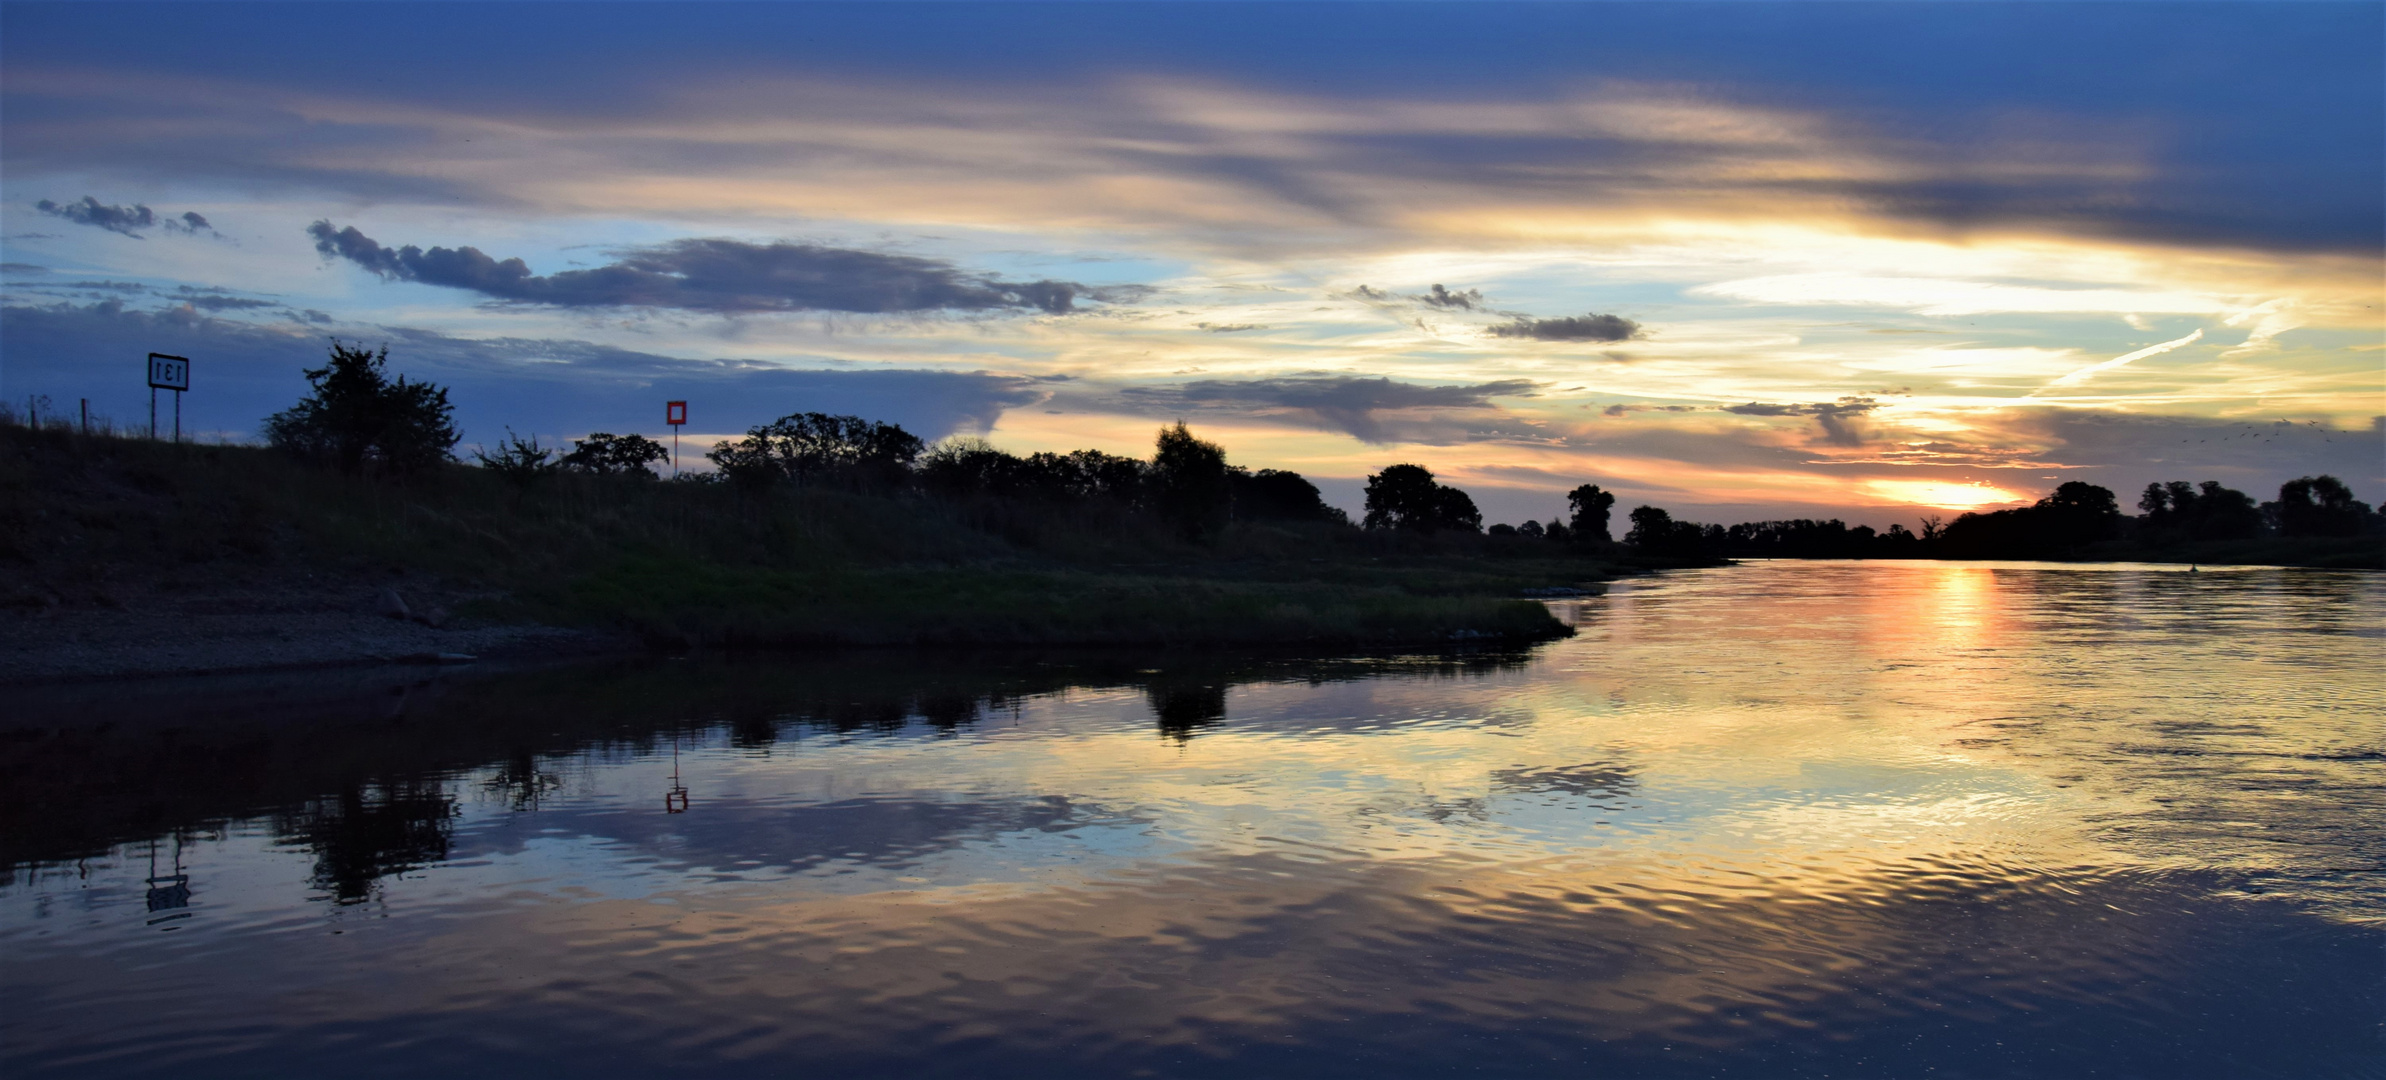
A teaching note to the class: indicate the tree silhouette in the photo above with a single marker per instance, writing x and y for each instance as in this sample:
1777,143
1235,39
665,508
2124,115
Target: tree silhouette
1406,497
1189,483
1589,507
2181,511
816,448
615,455
356,418
2318,506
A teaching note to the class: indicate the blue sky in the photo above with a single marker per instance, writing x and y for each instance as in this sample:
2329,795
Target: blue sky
1871,261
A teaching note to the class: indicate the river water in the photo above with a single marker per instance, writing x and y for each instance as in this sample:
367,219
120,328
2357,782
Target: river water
1780,819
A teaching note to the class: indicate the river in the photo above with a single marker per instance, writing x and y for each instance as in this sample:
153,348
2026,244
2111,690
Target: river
1778,819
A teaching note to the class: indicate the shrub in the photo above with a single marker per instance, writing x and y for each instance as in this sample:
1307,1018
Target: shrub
518,462
357,419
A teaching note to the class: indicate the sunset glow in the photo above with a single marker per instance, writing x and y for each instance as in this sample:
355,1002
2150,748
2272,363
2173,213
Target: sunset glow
1702,275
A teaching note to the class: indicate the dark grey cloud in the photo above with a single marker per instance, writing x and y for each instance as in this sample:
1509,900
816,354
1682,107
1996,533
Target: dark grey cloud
128,220
2115,134
1570,328
721,276
216,301
1837,418
1438,296
1620,410
1229,328
243,370
1350,404
1468,300
23,268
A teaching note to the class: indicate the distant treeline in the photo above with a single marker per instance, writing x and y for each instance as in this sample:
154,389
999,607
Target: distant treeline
2068,523
359,420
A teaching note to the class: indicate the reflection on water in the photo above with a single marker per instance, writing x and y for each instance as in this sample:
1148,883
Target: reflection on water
1778,819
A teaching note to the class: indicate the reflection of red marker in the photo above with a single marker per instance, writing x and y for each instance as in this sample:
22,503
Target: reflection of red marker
675,413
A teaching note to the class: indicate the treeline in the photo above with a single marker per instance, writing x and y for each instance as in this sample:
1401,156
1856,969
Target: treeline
2073,521
360,420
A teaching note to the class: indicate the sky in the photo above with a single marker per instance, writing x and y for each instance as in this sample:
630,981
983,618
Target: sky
1873,261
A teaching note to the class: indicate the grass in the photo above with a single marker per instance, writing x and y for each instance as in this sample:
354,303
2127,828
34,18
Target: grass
86,518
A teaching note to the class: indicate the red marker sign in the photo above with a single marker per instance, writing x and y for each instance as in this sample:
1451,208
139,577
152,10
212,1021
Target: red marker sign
675,413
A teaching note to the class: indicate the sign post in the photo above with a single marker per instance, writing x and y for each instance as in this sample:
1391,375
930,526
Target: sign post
168,373
675,413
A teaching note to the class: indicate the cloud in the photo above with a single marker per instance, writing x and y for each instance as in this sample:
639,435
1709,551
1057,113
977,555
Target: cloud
1836,418
1468,300
1570,328
2092,370
23,268
245,370
720,276
212,300
127,220
1620,409
1438,296
1350,404
124,220
1229,328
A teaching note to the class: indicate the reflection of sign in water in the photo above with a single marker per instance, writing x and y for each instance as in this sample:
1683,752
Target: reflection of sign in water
675,800
168,373
169,893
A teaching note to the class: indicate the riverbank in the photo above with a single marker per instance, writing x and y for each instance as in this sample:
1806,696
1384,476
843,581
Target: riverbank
126,556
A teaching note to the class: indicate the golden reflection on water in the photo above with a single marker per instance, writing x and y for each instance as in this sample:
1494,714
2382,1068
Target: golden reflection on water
1739,805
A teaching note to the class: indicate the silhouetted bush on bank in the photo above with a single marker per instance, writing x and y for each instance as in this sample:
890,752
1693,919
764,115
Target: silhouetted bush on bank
358,419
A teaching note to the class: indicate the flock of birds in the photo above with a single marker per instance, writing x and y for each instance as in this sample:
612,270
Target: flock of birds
2269,432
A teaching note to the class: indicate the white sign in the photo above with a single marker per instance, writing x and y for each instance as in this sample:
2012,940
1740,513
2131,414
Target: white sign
169,372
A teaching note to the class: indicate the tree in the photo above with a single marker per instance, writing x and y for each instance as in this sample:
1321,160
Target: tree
615,455
1405,497
1455,509
1189,482
2318,506
2180,511
2077,514
816,448
1656,532
356,418
1279,495
1590,506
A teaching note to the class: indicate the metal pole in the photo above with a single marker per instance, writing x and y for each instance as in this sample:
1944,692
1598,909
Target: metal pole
153,414
86,417
177,416
675,451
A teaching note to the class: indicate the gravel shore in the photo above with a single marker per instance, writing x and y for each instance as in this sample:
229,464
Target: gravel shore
254,629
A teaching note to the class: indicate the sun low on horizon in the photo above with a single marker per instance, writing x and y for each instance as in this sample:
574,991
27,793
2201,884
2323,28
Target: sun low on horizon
1877,262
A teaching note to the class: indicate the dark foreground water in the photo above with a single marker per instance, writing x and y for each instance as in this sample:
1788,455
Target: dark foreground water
1790,819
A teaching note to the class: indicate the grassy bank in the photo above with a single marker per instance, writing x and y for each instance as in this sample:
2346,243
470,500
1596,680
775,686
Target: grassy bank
94,521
